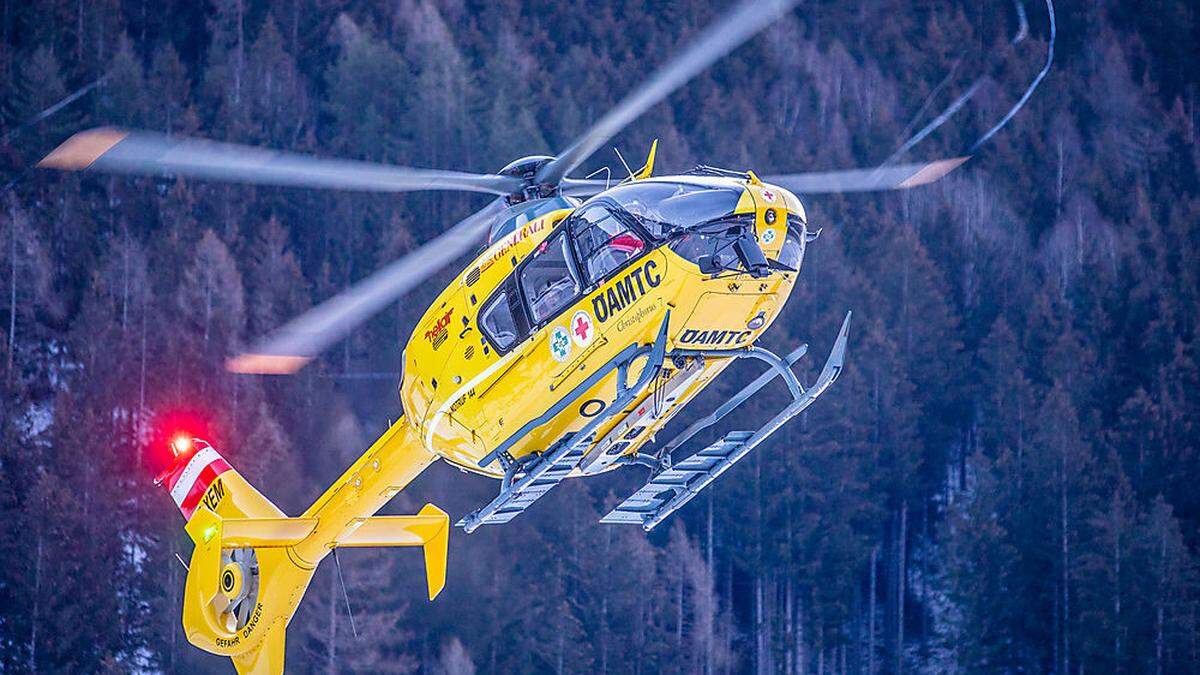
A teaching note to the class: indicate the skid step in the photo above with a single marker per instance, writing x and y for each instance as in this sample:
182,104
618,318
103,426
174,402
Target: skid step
544,473
669,483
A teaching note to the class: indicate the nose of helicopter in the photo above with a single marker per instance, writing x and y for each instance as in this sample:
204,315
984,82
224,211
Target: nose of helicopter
780,227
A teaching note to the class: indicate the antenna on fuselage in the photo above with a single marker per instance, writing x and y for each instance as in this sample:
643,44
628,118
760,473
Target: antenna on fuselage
623,162
607,176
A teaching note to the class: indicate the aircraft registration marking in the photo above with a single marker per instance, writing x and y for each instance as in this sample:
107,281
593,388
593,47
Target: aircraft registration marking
190,485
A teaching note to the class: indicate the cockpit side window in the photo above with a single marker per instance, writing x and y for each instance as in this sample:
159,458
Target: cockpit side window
793,247
499,321
548,280
717,247
603,242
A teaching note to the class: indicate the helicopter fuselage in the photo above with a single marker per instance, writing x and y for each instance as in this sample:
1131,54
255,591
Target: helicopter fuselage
469,395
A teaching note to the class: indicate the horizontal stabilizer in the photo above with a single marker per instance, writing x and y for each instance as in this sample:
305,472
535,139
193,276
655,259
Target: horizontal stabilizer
265,532
430,528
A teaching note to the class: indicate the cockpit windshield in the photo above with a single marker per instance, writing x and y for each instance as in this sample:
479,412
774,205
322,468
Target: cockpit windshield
663,207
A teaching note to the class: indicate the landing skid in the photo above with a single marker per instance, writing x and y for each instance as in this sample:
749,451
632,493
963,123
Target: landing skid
675,484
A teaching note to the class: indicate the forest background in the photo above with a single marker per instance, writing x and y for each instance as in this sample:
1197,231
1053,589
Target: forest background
1002,480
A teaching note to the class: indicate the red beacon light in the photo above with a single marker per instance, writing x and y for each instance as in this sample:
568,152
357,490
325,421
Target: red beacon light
183,449
181,445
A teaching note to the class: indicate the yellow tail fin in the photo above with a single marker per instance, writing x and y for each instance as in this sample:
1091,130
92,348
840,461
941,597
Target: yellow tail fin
648,167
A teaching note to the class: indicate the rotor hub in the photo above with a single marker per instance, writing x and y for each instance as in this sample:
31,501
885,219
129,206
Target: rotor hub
526,169
237,583
231,581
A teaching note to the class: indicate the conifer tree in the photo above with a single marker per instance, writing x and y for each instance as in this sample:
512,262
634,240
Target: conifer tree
123,98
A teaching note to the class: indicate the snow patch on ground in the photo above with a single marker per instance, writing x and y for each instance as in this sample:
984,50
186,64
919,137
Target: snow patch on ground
37,419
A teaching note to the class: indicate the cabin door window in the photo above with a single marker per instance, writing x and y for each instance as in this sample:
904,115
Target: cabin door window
548,280
604,242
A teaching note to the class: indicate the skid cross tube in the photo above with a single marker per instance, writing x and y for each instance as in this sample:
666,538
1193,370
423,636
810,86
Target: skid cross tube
779,368
550,467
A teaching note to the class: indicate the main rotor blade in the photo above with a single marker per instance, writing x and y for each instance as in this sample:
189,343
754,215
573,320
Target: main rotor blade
586,187
720,38
289,348
142,152
894,177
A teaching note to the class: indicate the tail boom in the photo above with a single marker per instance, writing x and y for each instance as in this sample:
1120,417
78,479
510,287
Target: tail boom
251,564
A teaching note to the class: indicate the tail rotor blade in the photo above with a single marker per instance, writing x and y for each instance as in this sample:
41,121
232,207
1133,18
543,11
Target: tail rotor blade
719,39
291,347
141,152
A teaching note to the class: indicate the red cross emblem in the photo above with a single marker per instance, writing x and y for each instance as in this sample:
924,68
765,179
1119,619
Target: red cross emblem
581,326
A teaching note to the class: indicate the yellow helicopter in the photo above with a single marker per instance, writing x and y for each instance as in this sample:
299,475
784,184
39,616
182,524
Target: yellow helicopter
593,315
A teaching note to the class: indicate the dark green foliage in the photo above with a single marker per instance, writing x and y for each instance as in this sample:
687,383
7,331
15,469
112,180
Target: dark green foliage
1004,479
